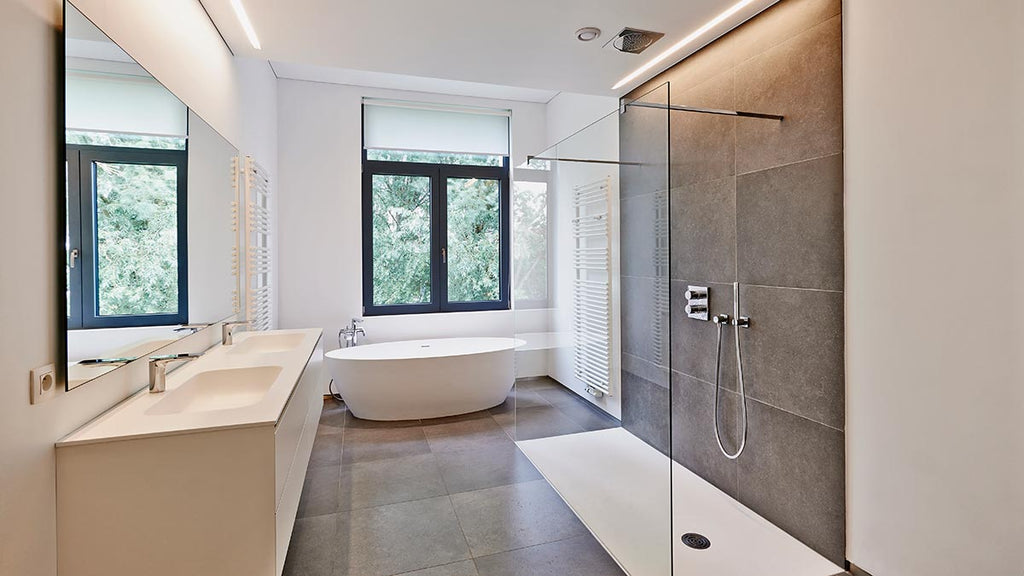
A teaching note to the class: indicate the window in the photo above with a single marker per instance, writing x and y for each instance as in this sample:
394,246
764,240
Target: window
126,233
435,234
531,246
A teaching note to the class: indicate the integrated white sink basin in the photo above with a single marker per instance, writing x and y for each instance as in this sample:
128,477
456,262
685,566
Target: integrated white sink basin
271,343
218,390
245,384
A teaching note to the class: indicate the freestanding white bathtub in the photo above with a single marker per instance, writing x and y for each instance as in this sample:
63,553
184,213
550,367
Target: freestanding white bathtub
417,379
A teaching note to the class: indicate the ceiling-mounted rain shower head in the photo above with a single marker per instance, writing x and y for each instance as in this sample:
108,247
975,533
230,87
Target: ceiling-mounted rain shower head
635,41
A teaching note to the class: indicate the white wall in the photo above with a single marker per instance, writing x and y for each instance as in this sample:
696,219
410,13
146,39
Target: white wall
567,114
258,138
320,230
29,146
935,255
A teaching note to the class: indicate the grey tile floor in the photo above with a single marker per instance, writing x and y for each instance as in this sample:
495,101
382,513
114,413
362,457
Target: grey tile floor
446,497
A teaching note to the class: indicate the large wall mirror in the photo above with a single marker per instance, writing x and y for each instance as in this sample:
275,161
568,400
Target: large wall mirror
150,234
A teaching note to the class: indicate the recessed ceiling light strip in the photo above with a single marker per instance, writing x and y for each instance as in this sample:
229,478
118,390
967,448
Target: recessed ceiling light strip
684,42
243,18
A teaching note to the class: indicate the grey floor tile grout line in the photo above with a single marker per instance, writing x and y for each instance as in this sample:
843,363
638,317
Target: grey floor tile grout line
435,566
444,482
461,529
579,401
447,494
344,467
759,401
505,430
474,557
556,540
297,518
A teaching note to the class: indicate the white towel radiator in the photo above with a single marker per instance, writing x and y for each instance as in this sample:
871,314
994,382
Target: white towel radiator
591,261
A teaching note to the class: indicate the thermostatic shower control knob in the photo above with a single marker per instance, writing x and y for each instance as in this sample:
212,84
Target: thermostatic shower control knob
696,302
696,294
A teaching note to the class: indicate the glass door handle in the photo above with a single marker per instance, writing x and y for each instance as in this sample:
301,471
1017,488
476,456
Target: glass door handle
74,256
444,255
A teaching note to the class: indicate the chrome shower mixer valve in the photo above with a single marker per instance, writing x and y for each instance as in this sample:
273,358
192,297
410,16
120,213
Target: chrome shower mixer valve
726,320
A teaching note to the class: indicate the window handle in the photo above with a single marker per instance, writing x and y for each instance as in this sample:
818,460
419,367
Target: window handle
444,255
74,256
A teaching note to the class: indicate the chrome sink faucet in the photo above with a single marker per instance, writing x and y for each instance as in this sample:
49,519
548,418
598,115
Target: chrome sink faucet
349,335
227,331
158,369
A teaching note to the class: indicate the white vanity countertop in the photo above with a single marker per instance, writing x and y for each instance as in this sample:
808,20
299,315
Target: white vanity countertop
136,416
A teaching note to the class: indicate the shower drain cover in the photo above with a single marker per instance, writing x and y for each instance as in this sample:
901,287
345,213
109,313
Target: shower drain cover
696,541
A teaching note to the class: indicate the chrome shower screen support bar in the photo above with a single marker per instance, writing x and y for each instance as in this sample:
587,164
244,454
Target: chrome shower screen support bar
676,108
583,160
671,107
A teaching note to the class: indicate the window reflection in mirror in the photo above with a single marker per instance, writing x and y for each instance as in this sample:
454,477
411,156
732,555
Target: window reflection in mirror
150,237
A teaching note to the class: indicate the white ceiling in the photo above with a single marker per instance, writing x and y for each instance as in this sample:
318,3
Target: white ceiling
527,44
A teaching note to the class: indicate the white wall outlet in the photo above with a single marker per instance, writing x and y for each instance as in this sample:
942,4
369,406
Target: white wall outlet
43,383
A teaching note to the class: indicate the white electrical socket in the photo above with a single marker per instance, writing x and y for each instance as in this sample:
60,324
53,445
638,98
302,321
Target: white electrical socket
43,383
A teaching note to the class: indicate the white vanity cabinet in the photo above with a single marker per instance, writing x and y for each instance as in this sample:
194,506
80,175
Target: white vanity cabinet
198,494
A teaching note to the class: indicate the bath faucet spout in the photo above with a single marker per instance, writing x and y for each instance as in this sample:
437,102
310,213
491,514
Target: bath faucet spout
349,335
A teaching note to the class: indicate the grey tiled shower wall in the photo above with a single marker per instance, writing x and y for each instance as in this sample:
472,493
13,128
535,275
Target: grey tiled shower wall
759,202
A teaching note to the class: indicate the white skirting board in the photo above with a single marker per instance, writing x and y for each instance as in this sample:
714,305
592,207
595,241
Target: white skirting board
621,488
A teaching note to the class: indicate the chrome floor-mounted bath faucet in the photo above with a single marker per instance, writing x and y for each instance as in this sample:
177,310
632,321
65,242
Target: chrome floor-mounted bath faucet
349,335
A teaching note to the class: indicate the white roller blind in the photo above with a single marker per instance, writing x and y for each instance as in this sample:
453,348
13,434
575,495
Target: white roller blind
127,104
432,128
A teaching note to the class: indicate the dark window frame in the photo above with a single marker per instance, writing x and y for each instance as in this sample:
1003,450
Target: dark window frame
439,175
83,285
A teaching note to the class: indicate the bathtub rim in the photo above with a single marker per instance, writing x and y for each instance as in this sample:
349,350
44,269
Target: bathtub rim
338,353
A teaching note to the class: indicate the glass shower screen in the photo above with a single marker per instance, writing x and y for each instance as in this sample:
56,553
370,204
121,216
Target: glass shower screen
591,302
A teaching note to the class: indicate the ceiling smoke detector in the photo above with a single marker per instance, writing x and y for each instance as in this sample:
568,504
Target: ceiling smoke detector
587,34
634,41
